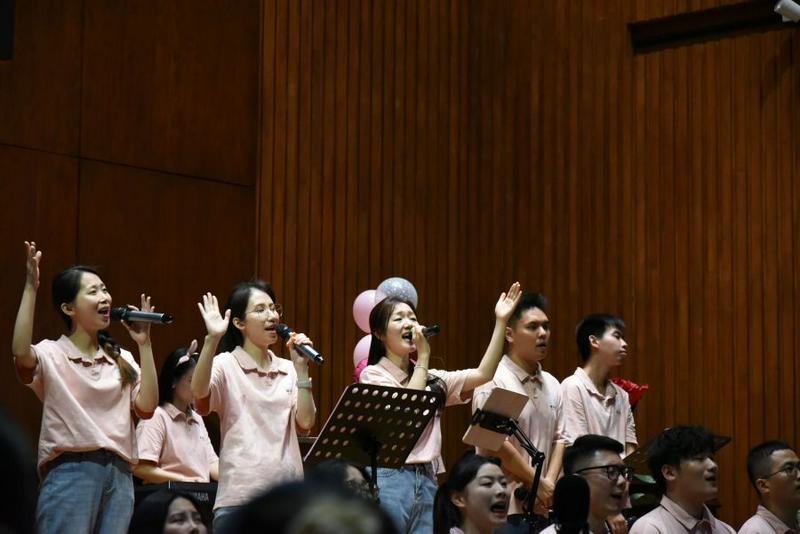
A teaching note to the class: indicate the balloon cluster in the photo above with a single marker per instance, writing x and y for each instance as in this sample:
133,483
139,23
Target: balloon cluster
391,287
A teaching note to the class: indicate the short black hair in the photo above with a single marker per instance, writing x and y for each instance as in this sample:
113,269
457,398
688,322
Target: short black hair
674,445
526,302
596,325
585,447
759,459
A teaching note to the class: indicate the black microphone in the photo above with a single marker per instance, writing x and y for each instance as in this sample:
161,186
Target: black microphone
306,350
428,331
129,315
571,505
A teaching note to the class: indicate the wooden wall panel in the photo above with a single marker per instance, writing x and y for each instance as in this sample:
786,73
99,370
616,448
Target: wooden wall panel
170,236
173,86
40,86
40,193
527,142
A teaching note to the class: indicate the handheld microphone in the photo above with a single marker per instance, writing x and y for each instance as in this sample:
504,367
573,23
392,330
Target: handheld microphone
428,331
306,350
571,505
126,314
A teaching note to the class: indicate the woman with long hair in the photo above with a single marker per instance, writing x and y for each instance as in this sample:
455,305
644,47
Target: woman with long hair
174,443
473,499
90,388
262,399
407,492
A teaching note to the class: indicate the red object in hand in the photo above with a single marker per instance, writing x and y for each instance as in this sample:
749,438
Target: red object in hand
634,390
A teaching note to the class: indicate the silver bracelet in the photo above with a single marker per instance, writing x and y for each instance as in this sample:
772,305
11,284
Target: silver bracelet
419,366
305,383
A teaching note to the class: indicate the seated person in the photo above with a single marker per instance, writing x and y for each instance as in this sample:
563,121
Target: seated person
681,460
167,511
774,470
598,460
474,498
174,443
342,474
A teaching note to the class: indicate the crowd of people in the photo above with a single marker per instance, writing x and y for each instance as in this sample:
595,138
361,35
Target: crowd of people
108,417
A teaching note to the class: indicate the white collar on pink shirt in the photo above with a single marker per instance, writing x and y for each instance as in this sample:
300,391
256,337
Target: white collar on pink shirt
773,520
521,374
683,517
75,355
398,374
174,413
592,389
247,364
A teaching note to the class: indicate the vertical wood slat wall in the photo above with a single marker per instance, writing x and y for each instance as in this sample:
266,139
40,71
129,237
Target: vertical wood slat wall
460,144
464,145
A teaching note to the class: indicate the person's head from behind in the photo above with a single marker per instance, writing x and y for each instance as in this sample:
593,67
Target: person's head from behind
81,299
681,460
475,493
600,337
175,378
774,471
306,508
254,315
342,474
167,512
528,329
388,321
597,459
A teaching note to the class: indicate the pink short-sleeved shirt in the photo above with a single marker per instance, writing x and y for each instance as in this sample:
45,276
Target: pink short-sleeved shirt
176,442
765,522
256,408
587,411
85,404
542,417
429,446
669,518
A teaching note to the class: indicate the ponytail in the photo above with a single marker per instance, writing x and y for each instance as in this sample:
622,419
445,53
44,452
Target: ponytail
112,348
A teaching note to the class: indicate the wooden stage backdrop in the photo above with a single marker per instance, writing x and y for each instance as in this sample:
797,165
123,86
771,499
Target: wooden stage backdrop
325,146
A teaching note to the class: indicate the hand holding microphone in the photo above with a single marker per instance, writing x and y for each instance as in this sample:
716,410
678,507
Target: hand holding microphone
301,345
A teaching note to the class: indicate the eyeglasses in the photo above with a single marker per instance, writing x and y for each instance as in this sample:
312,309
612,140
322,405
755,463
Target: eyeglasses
272,308
791,469
613,472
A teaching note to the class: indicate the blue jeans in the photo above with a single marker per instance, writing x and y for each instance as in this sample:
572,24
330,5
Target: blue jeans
407,497
222,519
86,492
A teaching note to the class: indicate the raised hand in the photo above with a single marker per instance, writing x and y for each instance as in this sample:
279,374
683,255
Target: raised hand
32,265
140,330
216,324
507,302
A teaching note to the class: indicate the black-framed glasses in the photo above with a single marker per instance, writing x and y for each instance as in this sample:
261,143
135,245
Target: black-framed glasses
790,470
613,471
272,308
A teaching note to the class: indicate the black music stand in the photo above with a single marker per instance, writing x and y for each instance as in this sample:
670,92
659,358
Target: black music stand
490,426
375,425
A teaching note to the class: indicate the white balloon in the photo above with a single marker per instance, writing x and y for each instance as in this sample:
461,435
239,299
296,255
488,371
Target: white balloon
399,288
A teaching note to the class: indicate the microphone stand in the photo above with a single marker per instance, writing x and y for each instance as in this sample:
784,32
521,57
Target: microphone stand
509,426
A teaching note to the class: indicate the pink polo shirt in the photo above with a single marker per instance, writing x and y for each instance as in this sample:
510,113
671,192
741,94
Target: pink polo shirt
176,442
588,411
765,522
256,408
429,445
669,518
85,405
541,419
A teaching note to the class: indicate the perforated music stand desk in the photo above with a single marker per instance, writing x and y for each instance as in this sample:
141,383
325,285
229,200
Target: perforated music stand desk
375,425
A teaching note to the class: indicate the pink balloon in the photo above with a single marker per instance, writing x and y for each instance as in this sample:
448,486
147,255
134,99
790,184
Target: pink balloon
362,349
361,308
359,368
